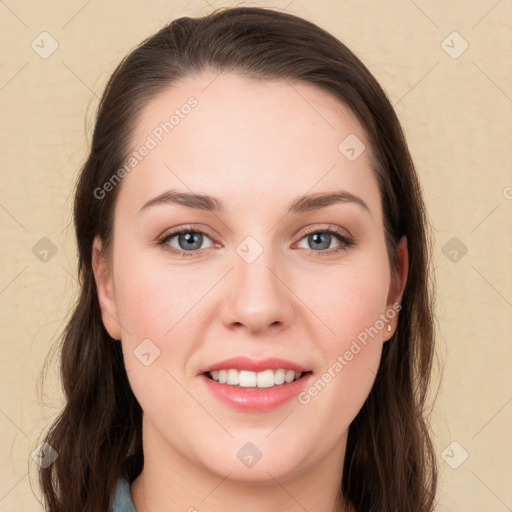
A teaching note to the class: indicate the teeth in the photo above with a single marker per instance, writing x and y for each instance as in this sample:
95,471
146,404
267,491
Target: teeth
279,376
232,377
265,379
247,379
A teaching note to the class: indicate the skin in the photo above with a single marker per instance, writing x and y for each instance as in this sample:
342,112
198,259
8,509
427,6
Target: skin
255,145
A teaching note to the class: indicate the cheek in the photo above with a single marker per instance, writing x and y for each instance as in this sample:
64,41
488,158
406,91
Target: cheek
154,311
148,306
153,298
351,346
351,300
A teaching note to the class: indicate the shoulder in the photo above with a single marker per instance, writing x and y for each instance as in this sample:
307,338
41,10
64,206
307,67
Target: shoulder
122,499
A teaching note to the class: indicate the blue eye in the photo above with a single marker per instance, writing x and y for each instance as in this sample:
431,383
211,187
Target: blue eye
322,240
190,241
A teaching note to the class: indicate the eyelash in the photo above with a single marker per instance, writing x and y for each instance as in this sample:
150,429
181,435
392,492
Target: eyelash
338,233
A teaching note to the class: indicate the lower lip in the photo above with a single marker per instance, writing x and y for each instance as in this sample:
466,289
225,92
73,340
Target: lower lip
256,399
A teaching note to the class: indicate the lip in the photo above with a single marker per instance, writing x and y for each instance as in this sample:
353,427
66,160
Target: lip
256,399
254,365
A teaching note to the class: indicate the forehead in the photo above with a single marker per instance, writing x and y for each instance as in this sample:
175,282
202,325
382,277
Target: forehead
225,102
264,139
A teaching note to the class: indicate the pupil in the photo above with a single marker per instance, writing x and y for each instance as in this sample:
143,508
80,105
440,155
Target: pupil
319,242
189,239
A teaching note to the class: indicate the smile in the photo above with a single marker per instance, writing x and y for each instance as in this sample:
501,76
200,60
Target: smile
247,379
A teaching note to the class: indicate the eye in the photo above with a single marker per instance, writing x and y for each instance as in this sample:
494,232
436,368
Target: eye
319,240
189,241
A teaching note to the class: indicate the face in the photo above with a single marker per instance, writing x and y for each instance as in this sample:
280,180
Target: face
253,278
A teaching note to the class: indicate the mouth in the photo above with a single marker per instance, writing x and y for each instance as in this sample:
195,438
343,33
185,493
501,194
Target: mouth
258,380
255,385
255,392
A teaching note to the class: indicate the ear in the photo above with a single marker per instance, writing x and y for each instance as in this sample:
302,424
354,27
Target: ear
105,288
397,286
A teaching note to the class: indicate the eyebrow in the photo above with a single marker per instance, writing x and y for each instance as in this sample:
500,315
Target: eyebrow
301,204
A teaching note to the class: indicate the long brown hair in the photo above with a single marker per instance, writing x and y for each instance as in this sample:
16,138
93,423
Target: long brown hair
390,464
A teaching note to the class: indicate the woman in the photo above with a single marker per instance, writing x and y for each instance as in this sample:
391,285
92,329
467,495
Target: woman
255,322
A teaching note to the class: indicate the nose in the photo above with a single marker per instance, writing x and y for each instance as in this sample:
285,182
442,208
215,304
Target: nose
257,296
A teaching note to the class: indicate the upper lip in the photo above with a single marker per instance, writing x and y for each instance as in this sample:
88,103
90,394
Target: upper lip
254,365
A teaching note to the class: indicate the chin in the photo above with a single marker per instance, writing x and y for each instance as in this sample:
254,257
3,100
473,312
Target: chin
246,463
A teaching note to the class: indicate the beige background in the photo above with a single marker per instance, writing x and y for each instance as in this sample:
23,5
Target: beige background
457,115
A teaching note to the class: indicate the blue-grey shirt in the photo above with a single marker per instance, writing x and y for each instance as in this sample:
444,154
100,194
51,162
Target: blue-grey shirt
122,499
